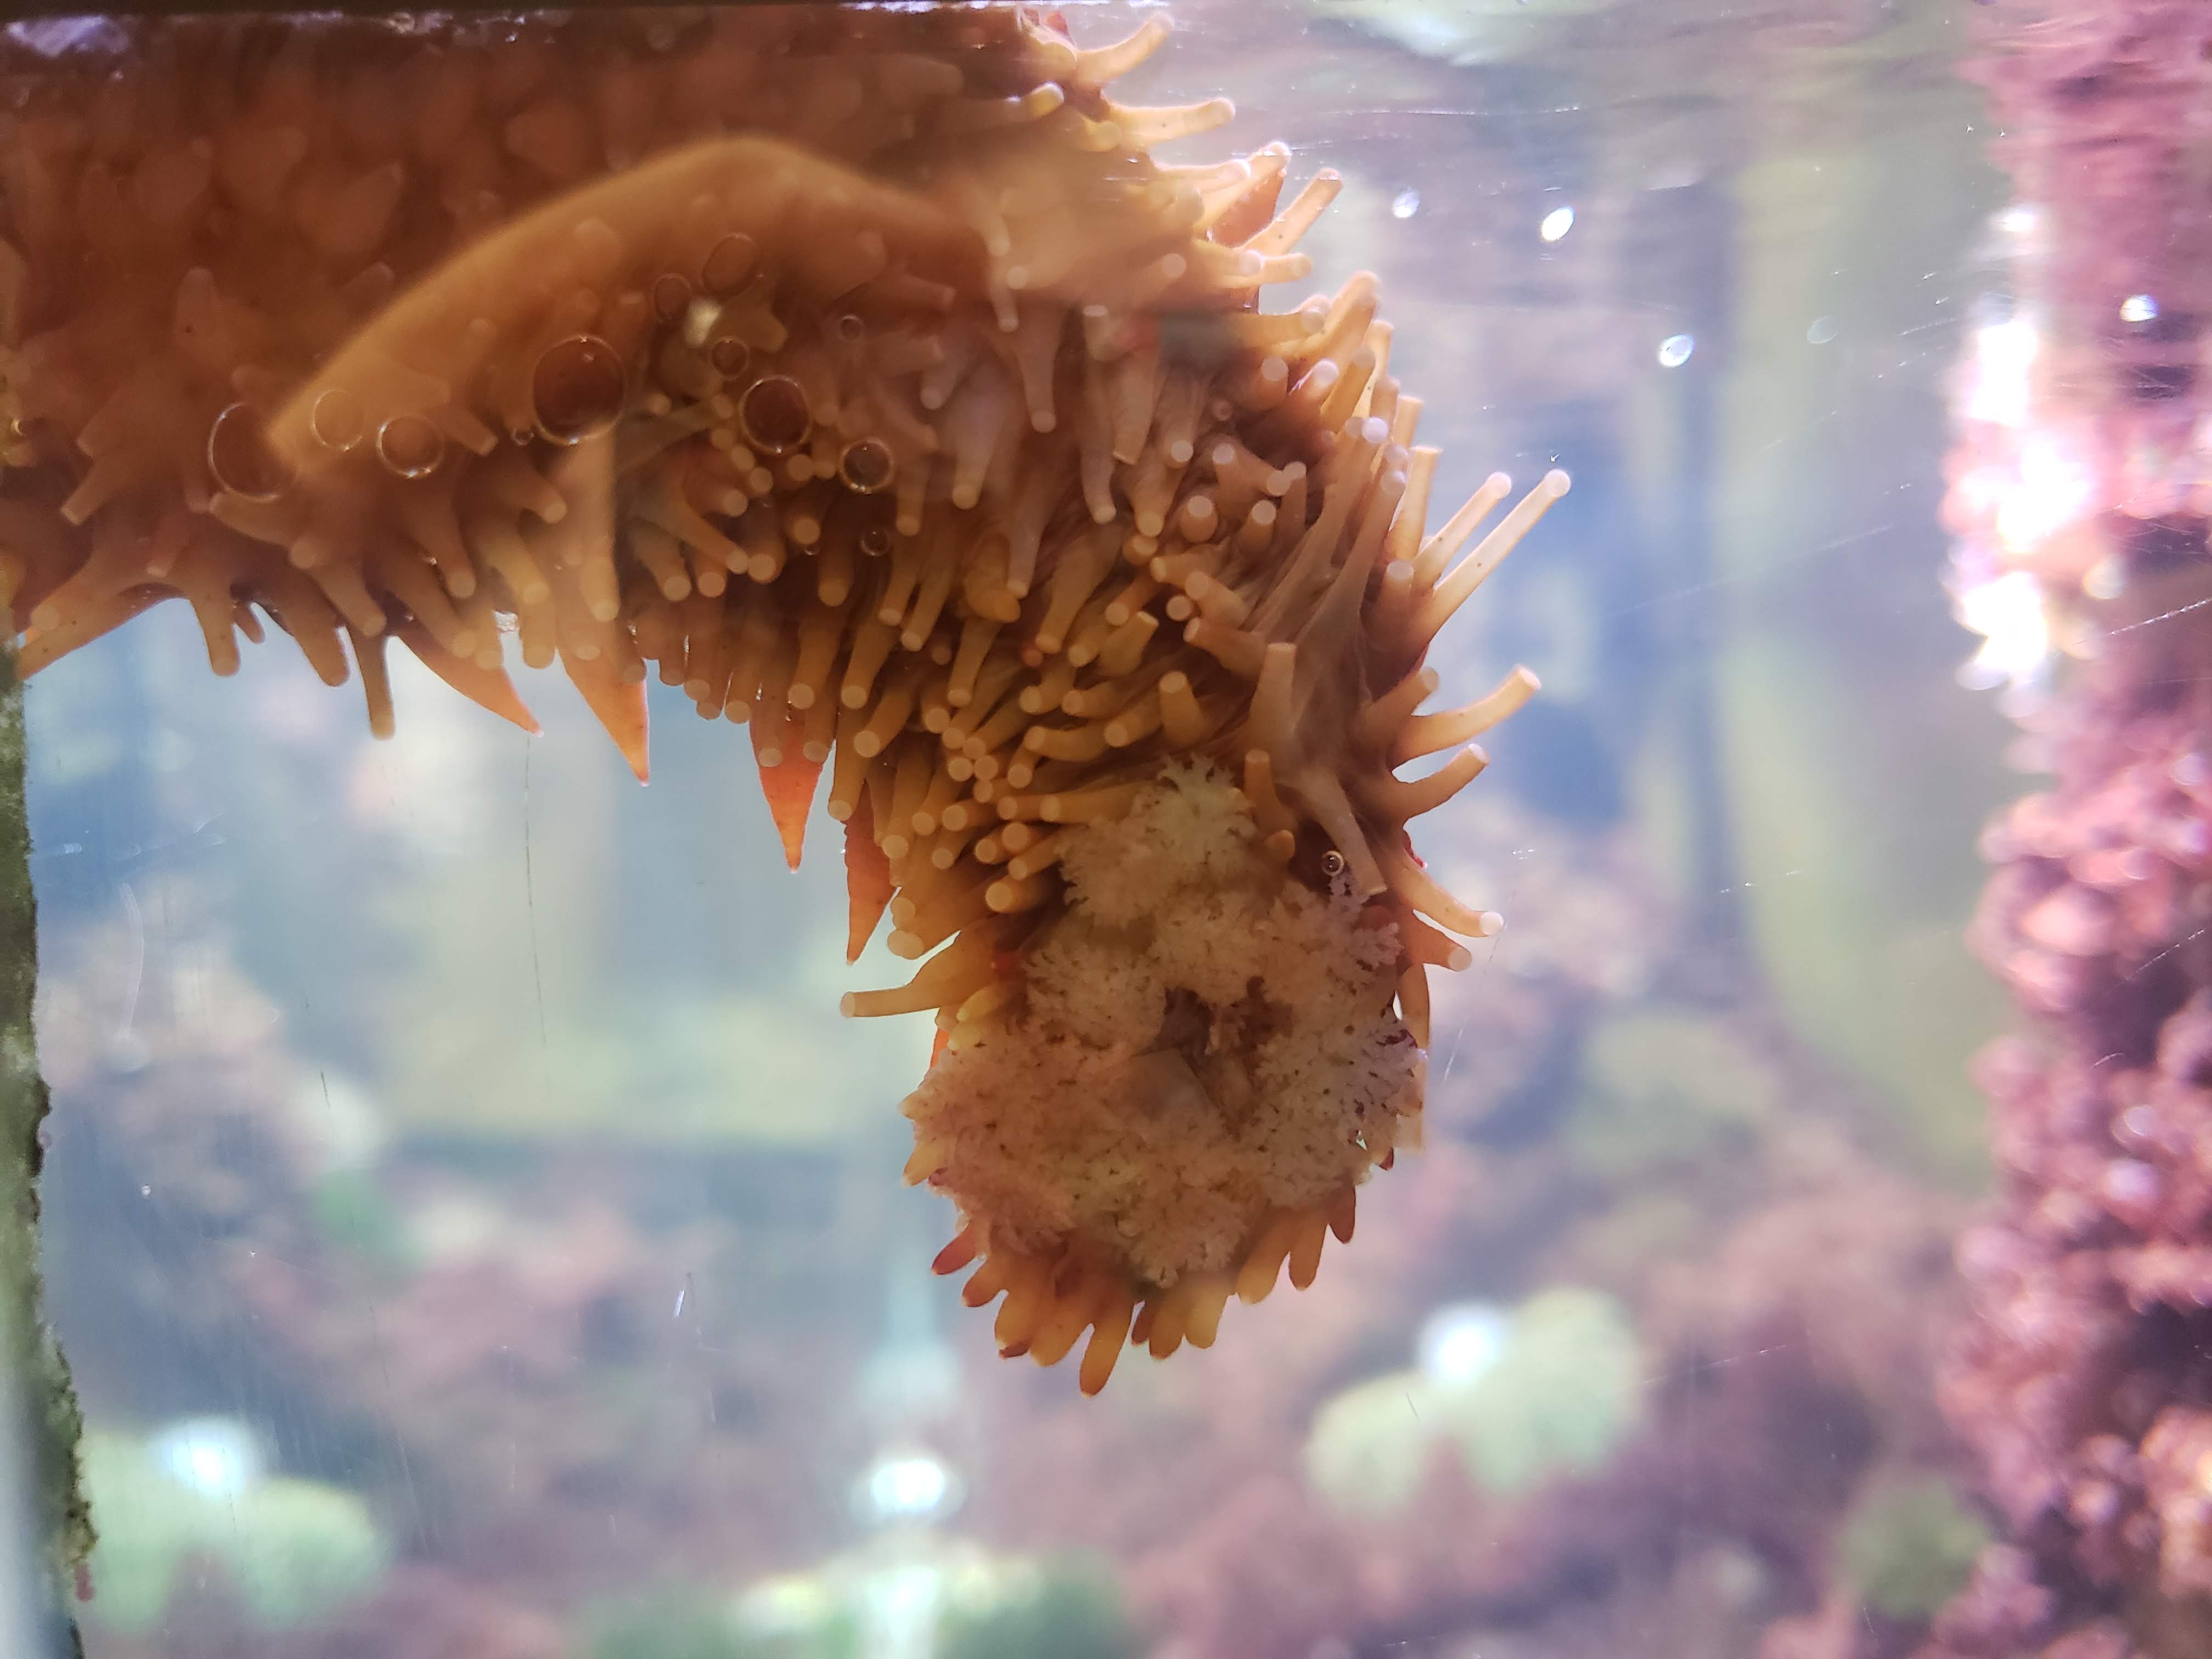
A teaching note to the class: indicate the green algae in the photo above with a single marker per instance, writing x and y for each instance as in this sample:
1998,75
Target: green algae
42,1394
1563,1393
1067,1610
294,1551
1909,1547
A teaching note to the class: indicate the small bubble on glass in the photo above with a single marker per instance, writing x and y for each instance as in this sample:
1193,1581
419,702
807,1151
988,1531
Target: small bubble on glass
1407,204
672,296
728,356
2139,308
410,446
728,263
578,389
867,465
1556,223
775,415
1823,330
1674,350
238,455
338,420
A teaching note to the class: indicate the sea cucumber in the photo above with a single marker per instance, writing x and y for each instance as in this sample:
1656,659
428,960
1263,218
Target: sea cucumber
862,373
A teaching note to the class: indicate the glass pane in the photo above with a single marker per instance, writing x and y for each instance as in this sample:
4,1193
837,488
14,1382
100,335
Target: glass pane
1016,460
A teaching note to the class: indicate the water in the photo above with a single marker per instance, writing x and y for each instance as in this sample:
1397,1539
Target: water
473,1227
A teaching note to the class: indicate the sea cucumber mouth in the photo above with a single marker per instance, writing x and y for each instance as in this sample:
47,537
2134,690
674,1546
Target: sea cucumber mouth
861,375
1199,1060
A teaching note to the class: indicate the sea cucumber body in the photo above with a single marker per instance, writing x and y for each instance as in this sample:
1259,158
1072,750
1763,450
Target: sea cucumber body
858,373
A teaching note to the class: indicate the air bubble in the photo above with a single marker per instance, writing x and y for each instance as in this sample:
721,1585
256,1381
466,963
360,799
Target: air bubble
410,446
2139,308
672,296
238,455
1674,350
875,541
1556,223
775,415
1407,204
578,389
867,465
338,420
729,356
851,326
727,265
1821,330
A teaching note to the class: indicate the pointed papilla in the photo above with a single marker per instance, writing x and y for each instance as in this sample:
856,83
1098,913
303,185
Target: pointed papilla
787,777
488,688
619,704
867,879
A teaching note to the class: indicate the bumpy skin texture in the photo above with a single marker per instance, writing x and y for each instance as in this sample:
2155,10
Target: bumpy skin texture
862,374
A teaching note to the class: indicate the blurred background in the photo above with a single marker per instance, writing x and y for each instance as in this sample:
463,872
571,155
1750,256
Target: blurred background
475,1233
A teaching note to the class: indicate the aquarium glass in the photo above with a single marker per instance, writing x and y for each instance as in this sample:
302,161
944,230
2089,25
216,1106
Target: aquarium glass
477,1215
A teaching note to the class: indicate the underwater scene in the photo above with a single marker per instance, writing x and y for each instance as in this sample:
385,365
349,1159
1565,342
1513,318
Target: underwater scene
983,982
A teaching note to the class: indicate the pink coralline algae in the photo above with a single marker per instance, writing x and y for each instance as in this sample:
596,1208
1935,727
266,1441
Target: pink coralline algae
2103,109
2080,488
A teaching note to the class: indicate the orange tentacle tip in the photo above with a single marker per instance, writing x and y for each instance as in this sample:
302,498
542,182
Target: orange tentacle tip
789,785
1078,1286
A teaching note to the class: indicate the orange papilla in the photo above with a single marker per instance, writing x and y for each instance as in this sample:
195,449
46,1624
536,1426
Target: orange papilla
867,879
